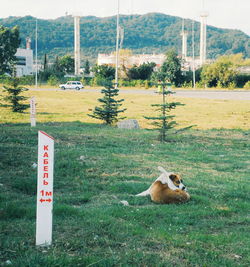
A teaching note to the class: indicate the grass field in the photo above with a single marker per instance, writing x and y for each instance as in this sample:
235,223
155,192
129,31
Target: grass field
66,106
97,167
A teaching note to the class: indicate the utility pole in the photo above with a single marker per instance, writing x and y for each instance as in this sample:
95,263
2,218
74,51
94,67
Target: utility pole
117,45
203,35
184,35
203,38
77,44
36,53
194,85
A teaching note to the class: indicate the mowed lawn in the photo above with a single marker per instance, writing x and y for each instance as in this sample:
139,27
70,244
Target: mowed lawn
97,167
66,106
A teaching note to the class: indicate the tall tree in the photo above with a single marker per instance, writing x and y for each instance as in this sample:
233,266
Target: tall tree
104,71
142,72
56,69
171,69
45,62
66,64
9,42
56,65
86,68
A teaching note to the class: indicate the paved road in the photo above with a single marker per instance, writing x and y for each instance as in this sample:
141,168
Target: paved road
223,95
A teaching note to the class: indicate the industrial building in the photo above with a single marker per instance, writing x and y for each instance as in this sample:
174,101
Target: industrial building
24,60
129,61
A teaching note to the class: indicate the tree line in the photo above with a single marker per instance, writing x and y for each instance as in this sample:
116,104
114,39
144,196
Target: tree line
150,33
222,73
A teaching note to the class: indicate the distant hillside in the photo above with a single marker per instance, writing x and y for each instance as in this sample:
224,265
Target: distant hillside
150,33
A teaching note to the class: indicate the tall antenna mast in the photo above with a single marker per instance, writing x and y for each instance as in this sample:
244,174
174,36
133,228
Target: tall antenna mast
77,44
36,53
184,35
203,35
117,45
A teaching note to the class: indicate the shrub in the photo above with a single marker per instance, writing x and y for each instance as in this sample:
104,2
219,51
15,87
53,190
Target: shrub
247,85
242,79
220,74
146,84
86,80
53,80
4,79
187,85
232,85
27,80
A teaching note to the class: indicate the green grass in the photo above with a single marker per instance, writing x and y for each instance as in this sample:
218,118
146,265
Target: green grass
91,226
69,106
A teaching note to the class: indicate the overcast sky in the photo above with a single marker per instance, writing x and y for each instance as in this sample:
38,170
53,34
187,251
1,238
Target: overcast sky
232,14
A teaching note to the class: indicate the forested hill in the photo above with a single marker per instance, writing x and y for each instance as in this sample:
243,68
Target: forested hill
150,33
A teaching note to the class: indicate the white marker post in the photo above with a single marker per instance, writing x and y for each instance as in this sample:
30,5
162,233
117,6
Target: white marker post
44,189
32,111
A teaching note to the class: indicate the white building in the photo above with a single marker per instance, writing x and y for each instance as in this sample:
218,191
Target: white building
106,59
158,59
24,64
129,61
244,69
189,64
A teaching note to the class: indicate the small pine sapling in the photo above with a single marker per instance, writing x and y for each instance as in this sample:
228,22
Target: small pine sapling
14,98
164,122
109,109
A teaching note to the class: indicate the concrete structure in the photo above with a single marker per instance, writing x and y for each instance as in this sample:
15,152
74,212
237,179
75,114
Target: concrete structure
129,61
24,65
244,70
128,124
158,59
203,38
184,35
77,45
191,64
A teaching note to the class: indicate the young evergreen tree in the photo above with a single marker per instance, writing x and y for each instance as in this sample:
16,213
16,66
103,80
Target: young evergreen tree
14,98
56,68
45,62
164,121
109,109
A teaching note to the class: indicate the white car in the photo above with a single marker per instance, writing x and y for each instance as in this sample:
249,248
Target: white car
71,85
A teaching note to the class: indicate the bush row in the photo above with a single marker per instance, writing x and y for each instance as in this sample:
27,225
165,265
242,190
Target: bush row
242,81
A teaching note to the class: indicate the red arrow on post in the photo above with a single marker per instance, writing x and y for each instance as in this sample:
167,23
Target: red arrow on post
47,200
